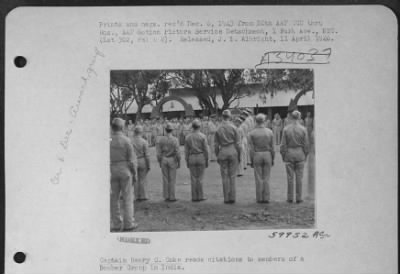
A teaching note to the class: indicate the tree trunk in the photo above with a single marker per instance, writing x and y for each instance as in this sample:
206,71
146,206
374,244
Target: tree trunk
293,102
139,112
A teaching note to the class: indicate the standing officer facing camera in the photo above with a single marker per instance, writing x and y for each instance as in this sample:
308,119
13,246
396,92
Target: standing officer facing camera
123,172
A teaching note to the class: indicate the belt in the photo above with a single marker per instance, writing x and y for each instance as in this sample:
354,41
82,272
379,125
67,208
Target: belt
262,150
196,153
140,157
169,156
227,145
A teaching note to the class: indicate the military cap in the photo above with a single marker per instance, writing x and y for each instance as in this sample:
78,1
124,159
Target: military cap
237,119
260,118
118,122
296,114
226,113
169,126
196,123
138,129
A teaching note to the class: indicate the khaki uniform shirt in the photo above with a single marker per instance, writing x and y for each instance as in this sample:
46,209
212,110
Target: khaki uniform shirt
261,139
295,143
121,150
226,134
141,148
196,143
168,146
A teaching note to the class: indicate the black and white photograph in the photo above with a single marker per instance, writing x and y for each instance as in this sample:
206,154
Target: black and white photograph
201,139
212,149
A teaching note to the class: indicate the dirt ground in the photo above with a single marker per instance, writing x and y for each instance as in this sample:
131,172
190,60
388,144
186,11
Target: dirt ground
212,214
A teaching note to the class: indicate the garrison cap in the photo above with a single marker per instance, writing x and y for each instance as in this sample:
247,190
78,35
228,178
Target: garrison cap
138,129
260,118
169,126
196,123
226,113
296,114
118,122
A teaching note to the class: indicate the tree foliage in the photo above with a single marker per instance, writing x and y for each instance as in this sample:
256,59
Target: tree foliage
150,86
141,86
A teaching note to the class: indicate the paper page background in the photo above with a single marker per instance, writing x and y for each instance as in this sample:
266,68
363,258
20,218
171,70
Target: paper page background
64,228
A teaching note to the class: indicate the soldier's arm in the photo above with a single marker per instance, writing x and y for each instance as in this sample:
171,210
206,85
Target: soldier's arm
237,141
306,143
283,148
216,143
158,151
205,148
251,149
177,151
146,154
186,151
271,143
132,160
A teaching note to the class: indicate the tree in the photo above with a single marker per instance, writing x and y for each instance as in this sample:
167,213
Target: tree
136,87
121,98
274,80
200,82
230,83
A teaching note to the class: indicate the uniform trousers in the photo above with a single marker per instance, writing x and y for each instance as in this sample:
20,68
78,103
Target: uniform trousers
277,135
197,166
141,183
294,170
211,142
246,153
168,169
121,184
243,160
262,172
228,161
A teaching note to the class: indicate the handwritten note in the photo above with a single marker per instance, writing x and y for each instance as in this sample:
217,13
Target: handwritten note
313,56
299,235
90,72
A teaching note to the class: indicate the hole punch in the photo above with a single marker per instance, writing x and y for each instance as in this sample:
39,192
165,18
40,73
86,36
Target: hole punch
20,61
19,257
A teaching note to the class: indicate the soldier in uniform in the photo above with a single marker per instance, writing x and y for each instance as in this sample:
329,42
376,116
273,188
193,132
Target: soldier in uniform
212,128
276,128
196,156
268,123
141,147
294,150
242,137
123,171
186,128
169,158
228,155
262,154
309,123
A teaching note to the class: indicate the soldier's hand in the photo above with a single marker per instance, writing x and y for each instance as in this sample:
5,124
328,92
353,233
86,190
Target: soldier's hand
251,165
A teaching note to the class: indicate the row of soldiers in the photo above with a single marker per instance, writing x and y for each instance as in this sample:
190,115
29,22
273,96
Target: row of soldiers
155,128
246,140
